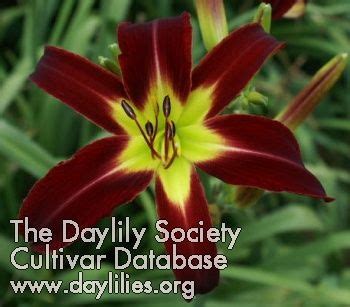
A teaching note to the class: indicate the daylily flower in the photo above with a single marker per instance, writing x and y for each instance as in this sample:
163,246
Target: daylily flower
164,117
287,8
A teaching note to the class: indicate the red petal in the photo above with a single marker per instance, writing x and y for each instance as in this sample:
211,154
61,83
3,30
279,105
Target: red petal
84,189
185,216
154,53
232,63
79,83
280,7
261,153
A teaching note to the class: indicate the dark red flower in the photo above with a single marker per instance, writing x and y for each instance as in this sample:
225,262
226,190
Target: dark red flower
165,119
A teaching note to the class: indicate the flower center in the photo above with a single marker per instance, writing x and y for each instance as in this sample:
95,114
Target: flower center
168,148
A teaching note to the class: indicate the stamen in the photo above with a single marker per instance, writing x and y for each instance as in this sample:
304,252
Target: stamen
149,129
150,145
170,134
168,130
173,156
151,132
166,106
156,126
167,135
128,110
173,129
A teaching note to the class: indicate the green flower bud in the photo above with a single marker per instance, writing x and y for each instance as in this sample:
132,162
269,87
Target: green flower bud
263,16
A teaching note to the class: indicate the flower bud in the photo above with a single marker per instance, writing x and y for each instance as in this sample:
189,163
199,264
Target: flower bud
114,50
212,21
263,16
246,196
257,98
109,65
287,8
297,10
215,214
308,99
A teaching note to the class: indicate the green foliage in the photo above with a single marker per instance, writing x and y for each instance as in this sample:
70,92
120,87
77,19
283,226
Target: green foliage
292,251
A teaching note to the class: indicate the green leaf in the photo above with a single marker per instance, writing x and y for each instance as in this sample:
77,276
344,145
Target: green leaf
116,10
19,148
14,82
335,123
85,22
320,248
316,293
7,16
284,220
7,247
63,15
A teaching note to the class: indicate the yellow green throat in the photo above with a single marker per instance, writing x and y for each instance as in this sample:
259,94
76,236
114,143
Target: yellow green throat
159,137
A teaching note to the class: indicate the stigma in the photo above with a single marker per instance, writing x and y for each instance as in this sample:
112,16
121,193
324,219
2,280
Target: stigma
168,150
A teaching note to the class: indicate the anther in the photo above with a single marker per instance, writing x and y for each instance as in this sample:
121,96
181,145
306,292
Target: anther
149,129
128,110
173,129
166,106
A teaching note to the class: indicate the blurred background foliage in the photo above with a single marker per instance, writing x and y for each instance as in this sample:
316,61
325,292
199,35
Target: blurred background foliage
292,251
